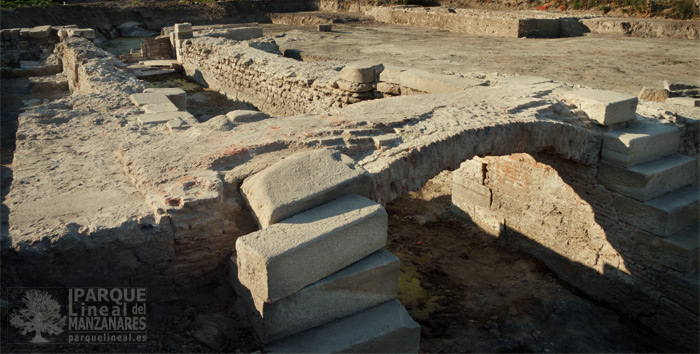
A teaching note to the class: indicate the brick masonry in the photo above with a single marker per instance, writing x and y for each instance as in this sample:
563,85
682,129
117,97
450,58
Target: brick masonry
555,209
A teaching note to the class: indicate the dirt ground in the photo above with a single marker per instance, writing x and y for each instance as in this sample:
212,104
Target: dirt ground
470,293
608,62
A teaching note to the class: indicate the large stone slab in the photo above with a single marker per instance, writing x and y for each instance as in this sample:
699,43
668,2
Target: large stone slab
157,118
434,83
386,328
243,115
283,258
391,74
642,142
40,32
649,180
366,283
663,216
605,107
159,108
684,101
142,99
177,96
303,181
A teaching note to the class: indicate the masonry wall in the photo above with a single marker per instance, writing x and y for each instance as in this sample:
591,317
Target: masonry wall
274,84
554,209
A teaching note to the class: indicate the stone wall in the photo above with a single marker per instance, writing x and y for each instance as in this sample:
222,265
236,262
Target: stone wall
556,210
274,84
494,23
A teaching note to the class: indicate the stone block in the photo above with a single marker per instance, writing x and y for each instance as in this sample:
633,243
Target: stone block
434,83
651,179
361,73
325,28
303,181
652,94
386,328
157,118
87,33
639,143
240,34
183,27
678,251
177,96
242,115
684,101
15,34
40,32
285,257
181,36
389,88
142,99
159,108
391,74
354,86
605,107
366,283
662,216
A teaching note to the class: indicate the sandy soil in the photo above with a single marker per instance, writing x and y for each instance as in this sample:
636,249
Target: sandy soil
601,61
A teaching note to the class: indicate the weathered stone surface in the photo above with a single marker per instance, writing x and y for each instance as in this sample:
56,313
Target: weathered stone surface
159,107
524,80
87,33
678,251
434,83
177,96
40,32
391,74
663,216
301,182
605,107
651,179
355,87
245,115
366,283
283,258
142,99
157,118
389,88
386,328
237,34
183,27
684,101
653,94
361,73
639,143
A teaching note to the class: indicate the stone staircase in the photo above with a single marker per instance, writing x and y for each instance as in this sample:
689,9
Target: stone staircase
658,187
316,277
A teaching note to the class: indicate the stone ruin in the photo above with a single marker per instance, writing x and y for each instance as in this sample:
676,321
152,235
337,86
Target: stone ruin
119,184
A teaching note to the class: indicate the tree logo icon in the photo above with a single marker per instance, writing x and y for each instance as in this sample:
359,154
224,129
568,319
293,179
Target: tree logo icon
41,314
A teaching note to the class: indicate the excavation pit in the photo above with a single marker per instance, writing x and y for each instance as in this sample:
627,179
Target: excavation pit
102,198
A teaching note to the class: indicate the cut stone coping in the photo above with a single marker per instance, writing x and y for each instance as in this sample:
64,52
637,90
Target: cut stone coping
303,181
605,107
386,328
285,257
